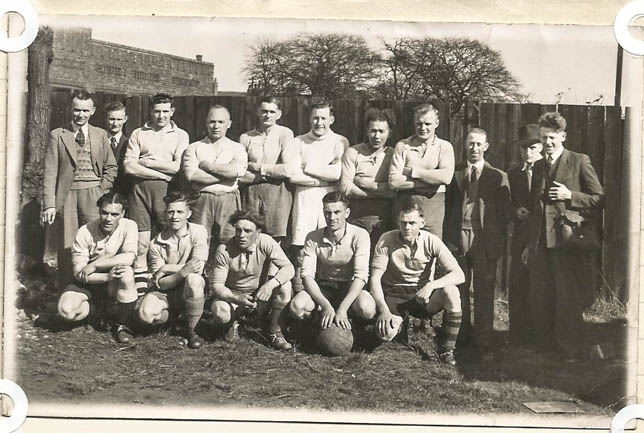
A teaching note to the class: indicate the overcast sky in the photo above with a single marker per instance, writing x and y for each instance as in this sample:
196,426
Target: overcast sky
577,60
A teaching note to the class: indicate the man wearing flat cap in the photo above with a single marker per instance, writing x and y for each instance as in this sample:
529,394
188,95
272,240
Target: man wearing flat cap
520,178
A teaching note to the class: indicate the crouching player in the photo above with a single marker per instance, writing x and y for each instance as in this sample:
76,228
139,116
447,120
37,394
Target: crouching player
251,270
102,256
402,281
335,269
176,259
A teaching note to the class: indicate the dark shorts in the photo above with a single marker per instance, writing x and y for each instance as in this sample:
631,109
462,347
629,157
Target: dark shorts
146,206
373,215
433,210
98,297
274,201
213,211
401,302
334,291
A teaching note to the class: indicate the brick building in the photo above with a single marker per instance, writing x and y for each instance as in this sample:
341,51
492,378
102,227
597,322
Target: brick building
80,61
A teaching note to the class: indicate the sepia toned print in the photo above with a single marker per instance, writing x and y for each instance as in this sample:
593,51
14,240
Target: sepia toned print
494,371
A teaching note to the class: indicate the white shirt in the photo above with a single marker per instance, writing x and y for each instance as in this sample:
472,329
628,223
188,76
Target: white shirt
479,168
557,154
85,129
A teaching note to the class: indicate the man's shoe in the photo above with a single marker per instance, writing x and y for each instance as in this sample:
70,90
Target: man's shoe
278,341
194,341
232,334
447,357
123,334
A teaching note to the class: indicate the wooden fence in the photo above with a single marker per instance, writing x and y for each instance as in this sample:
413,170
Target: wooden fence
593,130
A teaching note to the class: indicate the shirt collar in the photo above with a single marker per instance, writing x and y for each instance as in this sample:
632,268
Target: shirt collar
326,240
525,164
557,154
117,136
165,236
85,128
479,166
403,242
172,128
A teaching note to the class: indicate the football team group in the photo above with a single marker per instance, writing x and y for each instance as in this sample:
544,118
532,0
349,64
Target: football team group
372,239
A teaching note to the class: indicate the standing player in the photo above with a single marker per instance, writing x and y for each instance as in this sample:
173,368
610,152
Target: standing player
402,281
314,172
102,257
116,118
421,167
213,166
365,174
79,168
477,215
520,177
335,269
177,257
250,271
567,189
266,191
152,159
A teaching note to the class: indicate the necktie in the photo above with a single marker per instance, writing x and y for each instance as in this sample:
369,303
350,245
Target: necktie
528,172
114,143
473,175
80,138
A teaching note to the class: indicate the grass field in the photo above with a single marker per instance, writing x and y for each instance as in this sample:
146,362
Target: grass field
81,364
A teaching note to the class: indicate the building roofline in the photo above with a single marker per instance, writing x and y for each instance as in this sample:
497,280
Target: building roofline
142,50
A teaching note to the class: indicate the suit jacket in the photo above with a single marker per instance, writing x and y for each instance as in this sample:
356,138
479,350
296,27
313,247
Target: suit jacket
576,172
121,183
493,205
60,163
519,197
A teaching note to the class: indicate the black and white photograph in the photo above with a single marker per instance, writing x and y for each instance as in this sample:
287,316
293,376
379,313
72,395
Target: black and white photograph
350,222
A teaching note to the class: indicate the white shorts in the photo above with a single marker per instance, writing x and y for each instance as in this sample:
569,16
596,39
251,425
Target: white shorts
307,210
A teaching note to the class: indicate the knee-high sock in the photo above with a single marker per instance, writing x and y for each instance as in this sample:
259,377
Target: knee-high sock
451,325
124,312
194,310
141,280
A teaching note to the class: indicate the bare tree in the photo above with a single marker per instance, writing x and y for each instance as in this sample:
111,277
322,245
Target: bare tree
330,65
450,69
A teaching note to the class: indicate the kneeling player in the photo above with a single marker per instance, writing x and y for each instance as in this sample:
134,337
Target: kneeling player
402,281
335,268
238,278
176,259
102,257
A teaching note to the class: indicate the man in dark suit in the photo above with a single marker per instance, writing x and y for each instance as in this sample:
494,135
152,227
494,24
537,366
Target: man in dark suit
79,168
116,118
565,190
520,178
477,203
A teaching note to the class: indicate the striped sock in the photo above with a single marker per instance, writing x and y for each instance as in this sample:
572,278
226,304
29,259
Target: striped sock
141,280
194,310
451,325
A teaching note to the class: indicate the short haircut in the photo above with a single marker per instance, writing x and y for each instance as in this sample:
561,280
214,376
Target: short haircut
422,109
82,94
249,215
112,197
114,106
478,131
175,196
162,98
381,115
270,100
553,121
321,104
411,205
219,107
335,197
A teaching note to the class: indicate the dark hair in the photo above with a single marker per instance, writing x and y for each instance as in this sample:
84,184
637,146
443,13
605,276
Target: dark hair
321,104
270,100
478,131
162,98
82,94
422,109
410,205
218,107
380,115
112,197
249,215
175,196
553,120
114,106
335,197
